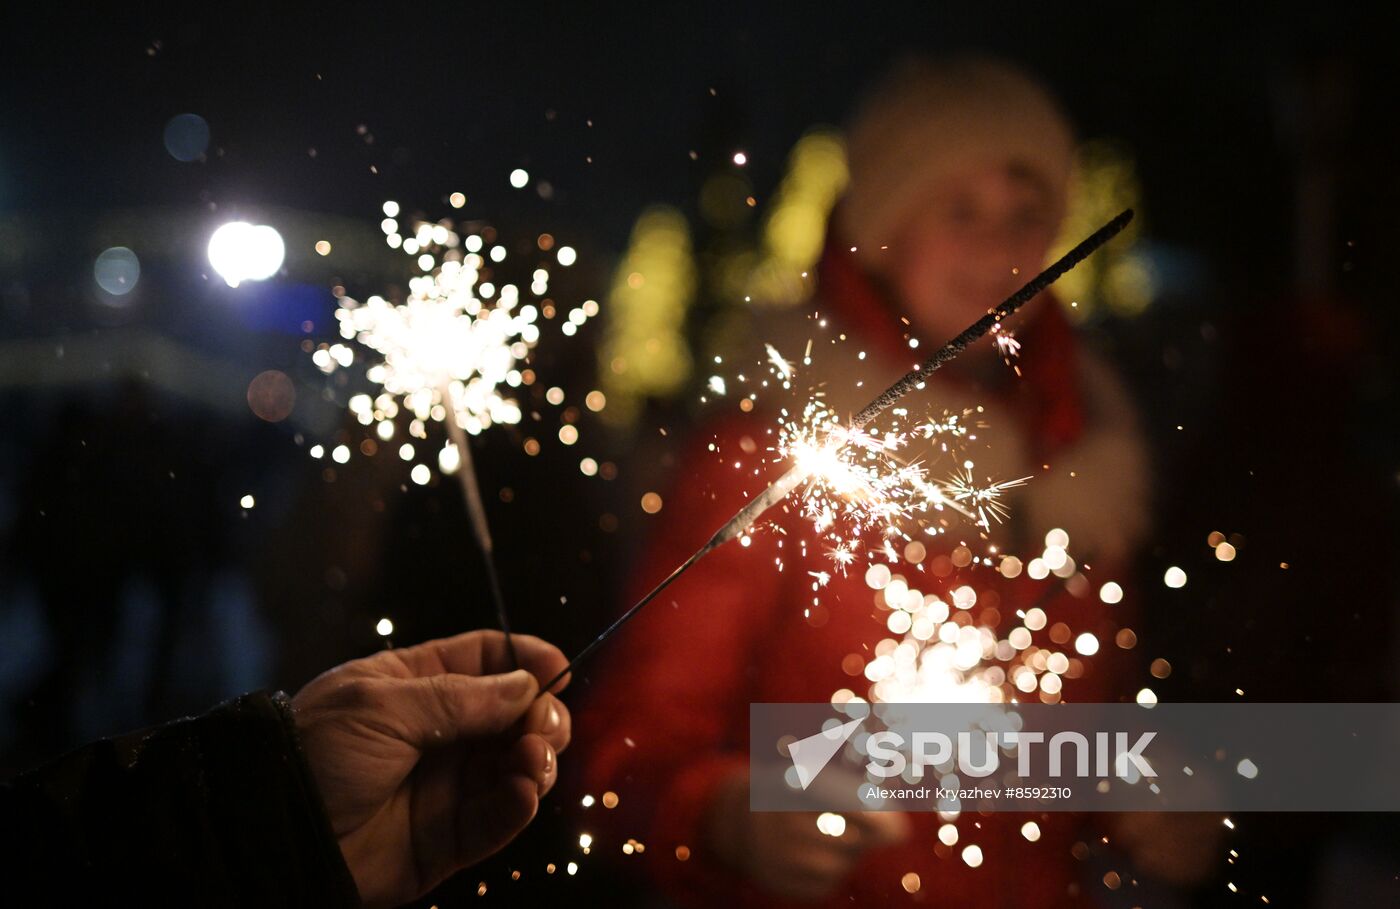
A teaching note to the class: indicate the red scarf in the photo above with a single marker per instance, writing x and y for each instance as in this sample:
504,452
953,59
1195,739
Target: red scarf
1047,393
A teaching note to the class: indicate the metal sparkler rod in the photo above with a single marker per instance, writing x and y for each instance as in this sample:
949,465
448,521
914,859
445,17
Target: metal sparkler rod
731,529
982,326
911,380
476,512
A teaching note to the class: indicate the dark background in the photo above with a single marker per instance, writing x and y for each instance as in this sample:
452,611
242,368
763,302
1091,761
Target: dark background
133,587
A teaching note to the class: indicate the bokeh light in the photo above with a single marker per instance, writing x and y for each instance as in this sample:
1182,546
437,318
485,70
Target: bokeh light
116,271
186,137
271,396
240,252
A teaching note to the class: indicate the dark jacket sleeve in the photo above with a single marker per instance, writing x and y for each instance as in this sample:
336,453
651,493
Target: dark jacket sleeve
215,810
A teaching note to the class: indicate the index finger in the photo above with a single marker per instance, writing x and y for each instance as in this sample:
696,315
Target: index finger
483,653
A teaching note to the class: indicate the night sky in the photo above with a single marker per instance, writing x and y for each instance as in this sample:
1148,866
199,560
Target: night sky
456,96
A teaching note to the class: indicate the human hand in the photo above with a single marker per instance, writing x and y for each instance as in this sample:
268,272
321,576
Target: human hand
784,852
431,758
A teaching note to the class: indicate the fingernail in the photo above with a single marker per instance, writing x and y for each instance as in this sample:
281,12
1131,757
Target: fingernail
551,720
548,759
516,684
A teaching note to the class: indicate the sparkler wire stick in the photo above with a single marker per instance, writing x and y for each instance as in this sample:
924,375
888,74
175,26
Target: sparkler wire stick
911,380
476,512
982,326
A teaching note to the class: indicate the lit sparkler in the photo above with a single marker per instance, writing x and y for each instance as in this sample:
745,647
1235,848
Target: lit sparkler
821,453
933,657
1008,348
781,366
452,352
983,501
858,483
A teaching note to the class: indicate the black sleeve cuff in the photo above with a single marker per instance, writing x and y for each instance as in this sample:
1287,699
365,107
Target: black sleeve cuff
216,810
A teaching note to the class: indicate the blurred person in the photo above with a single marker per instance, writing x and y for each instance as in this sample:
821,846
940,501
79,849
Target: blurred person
960,172
118,499
374,783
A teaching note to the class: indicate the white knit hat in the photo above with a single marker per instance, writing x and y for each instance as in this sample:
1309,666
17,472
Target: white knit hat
927,119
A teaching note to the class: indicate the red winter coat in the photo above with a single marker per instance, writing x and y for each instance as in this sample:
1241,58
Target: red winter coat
667,717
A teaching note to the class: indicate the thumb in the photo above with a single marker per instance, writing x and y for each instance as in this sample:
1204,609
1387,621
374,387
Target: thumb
445,708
